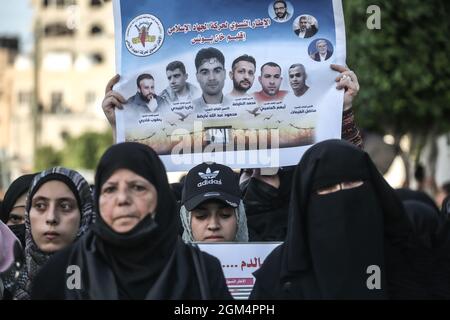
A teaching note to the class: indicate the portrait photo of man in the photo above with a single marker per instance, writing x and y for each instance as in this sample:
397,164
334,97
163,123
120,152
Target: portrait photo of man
305,26
297,79
280,11
270,80
145,100
323,51
243,75
179,88
210,65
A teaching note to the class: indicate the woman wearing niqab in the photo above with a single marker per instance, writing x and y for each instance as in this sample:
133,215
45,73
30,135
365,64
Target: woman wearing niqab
343,220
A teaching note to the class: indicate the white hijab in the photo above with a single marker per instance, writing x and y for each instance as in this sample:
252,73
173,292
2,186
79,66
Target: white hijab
241,217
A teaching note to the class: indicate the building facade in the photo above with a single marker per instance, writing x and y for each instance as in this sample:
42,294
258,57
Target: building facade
57,89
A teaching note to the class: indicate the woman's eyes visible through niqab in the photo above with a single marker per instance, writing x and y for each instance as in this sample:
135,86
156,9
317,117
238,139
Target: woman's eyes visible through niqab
339,186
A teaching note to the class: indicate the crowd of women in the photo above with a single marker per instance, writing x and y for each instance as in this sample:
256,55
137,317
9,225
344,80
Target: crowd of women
132,238
132,235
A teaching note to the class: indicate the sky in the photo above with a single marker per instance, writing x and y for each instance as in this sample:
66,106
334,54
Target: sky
16,20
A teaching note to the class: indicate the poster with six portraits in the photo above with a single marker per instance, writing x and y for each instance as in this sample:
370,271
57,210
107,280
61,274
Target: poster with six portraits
243,83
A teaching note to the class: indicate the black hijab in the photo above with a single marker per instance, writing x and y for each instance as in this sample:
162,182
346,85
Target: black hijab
428,255
267,207
15,191
444,232
125,265
334,238
446,208
425,222
177,188
18,188
408,194
443,260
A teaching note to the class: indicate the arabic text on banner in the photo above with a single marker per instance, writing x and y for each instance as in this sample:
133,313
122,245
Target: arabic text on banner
191,107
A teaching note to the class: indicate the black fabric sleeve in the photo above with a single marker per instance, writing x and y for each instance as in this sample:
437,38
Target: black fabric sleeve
49,283
216,278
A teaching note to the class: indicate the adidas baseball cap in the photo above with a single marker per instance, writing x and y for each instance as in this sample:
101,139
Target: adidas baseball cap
209,181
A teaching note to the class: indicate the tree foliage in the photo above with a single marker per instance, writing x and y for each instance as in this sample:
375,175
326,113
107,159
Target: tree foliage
46,157
82,152
403,68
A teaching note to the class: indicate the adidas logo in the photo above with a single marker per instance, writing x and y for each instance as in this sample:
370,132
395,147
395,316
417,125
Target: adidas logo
211,181
208,174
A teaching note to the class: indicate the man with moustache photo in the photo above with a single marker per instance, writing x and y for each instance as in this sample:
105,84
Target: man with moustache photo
242,74
305,29
145,100
281,12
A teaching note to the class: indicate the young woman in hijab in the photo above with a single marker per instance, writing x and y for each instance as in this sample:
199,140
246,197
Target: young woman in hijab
343,217
212,210
133,251
59,209
13,206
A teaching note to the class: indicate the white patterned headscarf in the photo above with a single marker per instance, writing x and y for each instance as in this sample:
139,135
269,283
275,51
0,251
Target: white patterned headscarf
241,220
34,257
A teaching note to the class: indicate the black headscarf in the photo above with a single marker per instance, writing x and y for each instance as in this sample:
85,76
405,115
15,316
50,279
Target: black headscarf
446,208
443,255
444,230
408,194
18,188
177,188
425,222
428,272
267,207
130,262
335,237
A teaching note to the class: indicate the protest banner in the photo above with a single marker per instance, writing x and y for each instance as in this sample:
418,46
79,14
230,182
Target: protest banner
191,103
239,261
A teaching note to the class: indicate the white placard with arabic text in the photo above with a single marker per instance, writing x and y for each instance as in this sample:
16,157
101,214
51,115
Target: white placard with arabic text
239,261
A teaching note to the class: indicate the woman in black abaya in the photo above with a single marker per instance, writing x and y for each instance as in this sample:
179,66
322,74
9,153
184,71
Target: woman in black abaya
12,210
343,220
133,250
428,256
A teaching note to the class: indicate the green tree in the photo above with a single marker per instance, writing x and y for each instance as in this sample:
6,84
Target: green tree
403,68
82,152
47,157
